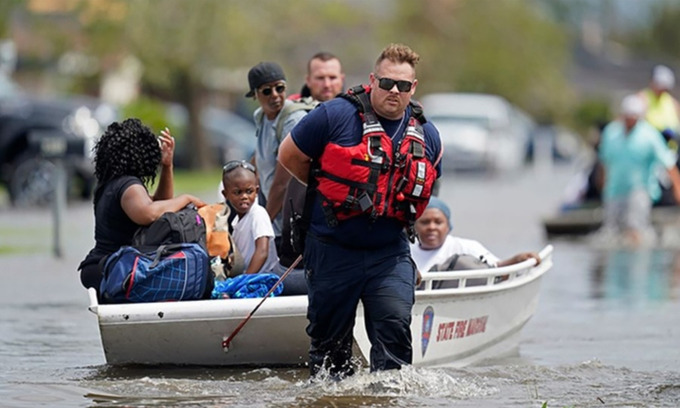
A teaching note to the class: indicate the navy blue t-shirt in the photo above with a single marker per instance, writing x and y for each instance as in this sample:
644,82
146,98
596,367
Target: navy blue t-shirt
337,121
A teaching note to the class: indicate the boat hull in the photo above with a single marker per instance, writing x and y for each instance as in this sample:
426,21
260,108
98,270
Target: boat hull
449,326
582,221
191,333
461,326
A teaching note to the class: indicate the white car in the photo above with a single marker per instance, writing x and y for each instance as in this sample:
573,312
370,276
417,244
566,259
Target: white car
479,131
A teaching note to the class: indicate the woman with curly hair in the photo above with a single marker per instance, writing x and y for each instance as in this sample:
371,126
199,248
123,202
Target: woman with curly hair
127,159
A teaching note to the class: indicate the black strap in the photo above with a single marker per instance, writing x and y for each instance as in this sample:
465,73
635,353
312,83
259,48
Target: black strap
417,112
417,150
351,95
350,183
310,196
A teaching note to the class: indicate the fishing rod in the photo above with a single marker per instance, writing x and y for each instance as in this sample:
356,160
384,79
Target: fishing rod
227,341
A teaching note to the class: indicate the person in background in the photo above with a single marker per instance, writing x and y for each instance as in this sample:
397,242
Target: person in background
663,112
268,86
127,159
253,233
435,245
631,151
324,81
662,109
325,78
356,248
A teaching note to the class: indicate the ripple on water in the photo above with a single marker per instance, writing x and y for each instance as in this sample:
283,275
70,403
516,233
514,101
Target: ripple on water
590,383
266,387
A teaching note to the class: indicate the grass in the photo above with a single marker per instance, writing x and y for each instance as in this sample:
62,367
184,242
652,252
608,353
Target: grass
4,196
203,184
8,250
196,182
545,405
186,181
23,240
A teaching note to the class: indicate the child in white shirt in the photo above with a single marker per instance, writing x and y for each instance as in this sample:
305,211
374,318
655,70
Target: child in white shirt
253,233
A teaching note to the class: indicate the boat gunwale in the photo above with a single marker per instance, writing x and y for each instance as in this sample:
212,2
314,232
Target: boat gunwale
286,306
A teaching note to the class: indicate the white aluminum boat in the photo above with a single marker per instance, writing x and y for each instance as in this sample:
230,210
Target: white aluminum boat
480,318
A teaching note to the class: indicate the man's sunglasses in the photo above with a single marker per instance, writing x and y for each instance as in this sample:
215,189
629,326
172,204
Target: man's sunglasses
388,83
231,165
281,88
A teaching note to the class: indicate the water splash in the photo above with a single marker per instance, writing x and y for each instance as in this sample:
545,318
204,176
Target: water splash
408,382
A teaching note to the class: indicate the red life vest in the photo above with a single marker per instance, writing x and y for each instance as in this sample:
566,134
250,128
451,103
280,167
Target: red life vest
372,177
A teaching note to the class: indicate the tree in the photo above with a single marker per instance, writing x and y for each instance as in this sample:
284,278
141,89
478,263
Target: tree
500,47
177,42
658,39
181,42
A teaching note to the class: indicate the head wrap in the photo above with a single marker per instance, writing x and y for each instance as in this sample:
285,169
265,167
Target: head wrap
441,206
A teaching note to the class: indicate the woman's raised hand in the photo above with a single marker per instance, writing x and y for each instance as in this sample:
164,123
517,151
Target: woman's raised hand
167,143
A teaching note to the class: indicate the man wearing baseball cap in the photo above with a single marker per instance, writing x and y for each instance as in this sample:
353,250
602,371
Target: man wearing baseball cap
268,86
631,150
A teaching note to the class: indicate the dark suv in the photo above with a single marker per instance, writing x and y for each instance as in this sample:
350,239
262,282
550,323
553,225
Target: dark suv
34,131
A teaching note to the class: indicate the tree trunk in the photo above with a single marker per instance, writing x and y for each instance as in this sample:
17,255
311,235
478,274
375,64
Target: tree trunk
190,94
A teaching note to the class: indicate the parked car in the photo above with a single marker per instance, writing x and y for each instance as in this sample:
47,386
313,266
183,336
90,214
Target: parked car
231,136
555,142
32,129
479,131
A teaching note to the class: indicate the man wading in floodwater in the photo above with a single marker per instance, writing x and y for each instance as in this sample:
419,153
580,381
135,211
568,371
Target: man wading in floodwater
374,160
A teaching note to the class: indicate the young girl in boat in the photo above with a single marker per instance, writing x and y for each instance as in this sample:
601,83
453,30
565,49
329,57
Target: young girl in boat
435,246
253,233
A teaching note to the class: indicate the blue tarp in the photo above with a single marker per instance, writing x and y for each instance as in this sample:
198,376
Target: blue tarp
247,286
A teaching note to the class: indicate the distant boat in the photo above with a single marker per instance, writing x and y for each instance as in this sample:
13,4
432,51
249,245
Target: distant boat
584,220
480,318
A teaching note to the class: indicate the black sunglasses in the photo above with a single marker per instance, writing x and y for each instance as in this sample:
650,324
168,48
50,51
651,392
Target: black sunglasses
268,91
231,165
388,83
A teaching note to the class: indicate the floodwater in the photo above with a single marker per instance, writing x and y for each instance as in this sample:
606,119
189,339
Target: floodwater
606,332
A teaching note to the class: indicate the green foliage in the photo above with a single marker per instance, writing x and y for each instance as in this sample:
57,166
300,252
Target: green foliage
592,113
503,47
6,9
499,47
155,114
661,37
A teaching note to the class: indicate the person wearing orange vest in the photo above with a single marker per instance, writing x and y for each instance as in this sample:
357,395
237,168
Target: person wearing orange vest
371,159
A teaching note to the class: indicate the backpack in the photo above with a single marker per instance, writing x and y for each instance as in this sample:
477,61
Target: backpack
167,273
219,242
305,103
183,226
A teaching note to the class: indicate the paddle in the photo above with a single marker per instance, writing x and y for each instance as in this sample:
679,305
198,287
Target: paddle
227,341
